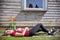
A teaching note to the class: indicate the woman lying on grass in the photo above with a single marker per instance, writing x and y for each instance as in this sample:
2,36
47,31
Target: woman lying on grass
29,32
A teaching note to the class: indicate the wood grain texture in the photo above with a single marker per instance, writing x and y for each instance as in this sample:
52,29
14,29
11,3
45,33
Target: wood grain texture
12,8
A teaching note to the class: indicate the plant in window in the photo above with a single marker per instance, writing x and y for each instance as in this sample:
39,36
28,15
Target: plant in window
30,5
36,6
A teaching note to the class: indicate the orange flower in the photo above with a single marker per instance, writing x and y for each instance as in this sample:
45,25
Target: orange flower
12,19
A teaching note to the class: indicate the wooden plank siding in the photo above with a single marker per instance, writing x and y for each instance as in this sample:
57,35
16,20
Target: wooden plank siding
12,8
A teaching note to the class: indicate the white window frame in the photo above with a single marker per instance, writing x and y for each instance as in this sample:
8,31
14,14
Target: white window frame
34,9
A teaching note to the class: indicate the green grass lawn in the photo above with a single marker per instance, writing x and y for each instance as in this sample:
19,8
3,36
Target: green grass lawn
1,31
29,38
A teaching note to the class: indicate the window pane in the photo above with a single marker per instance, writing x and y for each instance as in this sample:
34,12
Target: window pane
34,3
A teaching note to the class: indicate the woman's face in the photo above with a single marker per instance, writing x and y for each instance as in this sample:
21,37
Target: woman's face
8,32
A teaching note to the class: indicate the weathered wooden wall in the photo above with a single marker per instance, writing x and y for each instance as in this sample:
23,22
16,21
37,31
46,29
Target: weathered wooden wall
10,8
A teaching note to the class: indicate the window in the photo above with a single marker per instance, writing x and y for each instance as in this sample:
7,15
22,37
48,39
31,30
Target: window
32,5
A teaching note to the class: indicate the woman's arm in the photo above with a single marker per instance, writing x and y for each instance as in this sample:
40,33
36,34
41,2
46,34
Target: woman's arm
18,34
26,29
